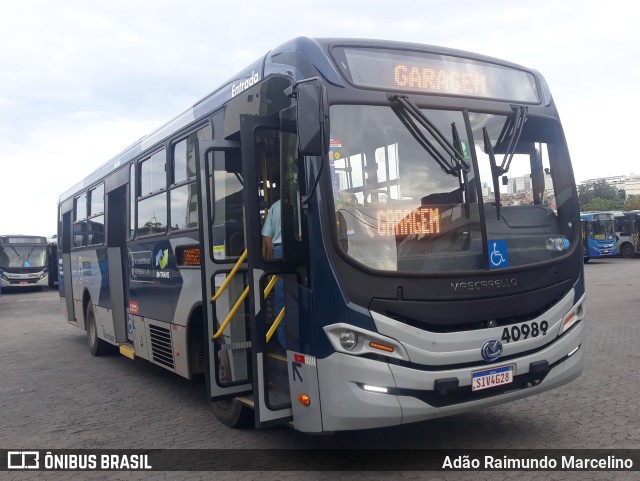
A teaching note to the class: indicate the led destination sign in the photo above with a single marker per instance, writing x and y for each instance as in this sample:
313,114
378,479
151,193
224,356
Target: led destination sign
422,221
436,74
440,80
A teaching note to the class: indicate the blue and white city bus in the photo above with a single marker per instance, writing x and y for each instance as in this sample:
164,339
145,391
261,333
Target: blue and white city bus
23,261
418,279
598,234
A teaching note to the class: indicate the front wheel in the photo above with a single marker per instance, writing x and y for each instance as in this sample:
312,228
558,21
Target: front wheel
230,412
97,346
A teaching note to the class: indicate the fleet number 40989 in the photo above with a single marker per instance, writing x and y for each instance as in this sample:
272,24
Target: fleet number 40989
523,331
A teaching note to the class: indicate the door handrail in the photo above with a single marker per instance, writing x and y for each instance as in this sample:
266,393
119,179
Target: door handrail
272,283
245,293
226,282
275,324
236,306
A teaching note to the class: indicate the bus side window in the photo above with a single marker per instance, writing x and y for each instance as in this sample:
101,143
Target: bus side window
152,202
183,194
79,215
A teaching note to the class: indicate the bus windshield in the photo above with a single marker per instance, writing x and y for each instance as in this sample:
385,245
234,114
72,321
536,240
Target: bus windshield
602,229
403,203
22,256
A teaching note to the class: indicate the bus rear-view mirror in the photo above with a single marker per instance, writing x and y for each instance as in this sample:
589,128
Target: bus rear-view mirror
309,117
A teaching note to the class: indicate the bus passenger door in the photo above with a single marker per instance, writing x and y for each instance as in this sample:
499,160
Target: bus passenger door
269,145
224,270
117,260
65,284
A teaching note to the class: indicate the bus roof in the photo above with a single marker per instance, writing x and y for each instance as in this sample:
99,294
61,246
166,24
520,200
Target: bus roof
22,239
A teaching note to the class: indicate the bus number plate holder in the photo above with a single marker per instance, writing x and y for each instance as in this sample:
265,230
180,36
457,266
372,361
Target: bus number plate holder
489,378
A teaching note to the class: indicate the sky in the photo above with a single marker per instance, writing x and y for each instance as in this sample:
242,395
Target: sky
80,80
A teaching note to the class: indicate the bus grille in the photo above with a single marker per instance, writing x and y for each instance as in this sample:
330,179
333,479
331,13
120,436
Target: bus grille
161,349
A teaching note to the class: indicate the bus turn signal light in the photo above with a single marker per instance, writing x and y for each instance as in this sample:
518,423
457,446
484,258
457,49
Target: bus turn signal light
382,347
304,399
569,318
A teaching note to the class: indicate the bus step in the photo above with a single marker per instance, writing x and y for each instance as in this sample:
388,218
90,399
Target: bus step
276,357
247,400
127,350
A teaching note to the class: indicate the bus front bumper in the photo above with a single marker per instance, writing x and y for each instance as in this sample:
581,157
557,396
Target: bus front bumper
24,282
348,385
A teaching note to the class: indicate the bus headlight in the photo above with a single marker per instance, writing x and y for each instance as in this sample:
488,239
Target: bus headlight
356,341
558,244
348,339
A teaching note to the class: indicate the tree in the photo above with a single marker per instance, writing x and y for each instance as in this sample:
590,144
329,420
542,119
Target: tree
632,203
600,204
604,190
585,193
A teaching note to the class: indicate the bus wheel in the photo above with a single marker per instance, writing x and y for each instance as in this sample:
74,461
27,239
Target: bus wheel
97,346
586,259
230,412
627,250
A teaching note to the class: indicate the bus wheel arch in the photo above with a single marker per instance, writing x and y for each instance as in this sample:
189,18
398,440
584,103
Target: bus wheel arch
97,346
86,300
196,341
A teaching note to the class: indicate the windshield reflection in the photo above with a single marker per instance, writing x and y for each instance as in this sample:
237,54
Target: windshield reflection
399,208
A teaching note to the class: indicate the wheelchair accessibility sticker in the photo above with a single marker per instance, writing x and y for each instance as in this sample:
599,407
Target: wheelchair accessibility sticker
498,256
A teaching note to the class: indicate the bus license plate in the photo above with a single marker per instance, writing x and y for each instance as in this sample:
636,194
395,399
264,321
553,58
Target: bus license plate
491,378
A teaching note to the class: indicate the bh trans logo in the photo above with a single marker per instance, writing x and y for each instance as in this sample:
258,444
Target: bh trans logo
162,260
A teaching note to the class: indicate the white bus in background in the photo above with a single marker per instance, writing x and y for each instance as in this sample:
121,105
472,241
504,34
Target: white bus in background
23,261
623,226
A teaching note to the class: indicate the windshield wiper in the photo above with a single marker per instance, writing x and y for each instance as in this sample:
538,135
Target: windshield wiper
18,254
511,131
409,113
463,180
495,174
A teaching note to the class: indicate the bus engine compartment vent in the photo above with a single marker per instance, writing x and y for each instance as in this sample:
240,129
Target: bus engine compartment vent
161,348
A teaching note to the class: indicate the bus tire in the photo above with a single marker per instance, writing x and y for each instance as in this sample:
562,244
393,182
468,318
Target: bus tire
97,346
230,412
627,250
586,259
